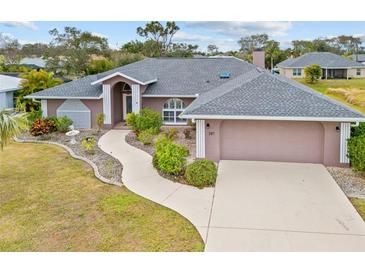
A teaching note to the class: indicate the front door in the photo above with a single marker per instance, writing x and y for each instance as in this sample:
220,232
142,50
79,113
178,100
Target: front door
127,105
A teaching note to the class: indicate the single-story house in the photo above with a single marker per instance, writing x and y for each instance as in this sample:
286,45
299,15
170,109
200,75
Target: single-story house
8,85
241,111
359,58
333,66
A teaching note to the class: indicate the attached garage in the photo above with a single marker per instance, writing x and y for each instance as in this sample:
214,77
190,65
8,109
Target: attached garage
77,111
284,141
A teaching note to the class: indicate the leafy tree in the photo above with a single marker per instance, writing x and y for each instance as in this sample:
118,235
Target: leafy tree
11,125
99,65
34,81
9,48
183,50
73,48
133,47
250,43
161,35
36,49
312,73
212,49
121,58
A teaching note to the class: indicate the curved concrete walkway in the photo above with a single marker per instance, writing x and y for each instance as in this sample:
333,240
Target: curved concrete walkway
141,177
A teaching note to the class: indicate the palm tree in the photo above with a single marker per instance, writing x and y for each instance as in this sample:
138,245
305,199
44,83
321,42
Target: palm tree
11,125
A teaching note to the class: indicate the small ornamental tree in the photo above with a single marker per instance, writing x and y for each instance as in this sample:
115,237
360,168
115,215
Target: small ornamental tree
100,117
313,73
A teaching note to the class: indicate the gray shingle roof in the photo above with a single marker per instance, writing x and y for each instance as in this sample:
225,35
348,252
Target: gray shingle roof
260,93
77,88
324,59
175,76
8,83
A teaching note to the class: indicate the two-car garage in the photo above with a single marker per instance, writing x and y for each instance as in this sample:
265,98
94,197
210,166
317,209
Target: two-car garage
268,140
272,141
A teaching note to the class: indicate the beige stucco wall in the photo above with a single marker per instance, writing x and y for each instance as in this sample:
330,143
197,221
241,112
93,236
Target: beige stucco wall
288,72
290,141
352,73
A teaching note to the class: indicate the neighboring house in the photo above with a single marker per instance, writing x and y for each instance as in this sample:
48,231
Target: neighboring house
241,111
359,58
333,66
34,63
8,85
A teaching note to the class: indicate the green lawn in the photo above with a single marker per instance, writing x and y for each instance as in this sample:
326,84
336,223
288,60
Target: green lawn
359,204
52,202
323,85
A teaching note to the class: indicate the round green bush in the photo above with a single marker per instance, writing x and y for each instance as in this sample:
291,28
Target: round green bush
201,173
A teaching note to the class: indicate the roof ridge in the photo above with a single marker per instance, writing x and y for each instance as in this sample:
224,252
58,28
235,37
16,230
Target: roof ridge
216,92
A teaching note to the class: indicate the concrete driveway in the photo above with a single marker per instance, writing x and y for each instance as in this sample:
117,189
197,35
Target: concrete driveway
266,206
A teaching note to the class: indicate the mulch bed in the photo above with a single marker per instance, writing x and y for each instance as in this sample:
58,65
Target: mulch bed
351,182
108,166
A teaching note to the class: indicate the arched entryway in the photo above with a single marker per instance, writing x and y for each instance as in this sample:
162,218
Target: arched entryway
121,102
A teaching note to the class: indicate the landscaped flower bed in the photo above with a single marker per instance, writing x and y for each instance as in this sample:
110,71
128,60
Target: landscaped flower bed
108,166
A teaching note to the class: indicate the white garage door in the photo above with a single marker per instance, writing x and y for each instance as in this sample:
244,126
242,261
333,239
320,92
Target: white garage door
77,112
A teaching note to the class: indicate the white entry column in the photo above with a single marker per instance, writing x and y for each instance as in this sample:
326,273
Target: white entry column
107,105
200,138
345,134
44,108
136,98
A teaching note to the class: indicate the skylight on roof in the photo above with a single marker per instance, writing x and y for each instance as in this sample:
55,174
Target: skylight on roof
224,74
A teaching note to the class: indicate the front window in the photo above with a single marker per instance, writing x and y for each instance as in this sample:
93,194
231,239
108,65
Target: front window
358,72
172,108
126,87
297,72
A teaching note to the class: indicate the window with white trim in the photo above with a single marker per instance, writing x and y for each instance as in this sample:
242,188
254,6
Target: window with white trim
358,72
297,71
126,87
172,108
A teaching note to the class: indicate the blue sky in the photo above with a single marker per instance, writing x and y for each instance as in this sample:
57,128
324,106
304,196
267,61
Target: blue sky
224,34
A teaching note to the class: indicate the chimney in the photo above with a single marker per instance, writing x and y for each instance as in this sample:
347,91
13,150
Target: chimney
258,58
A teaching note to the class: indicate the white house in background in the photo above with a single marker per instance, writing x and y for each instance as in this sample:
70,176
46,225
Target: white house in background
359,58
8,85
333,66
33,62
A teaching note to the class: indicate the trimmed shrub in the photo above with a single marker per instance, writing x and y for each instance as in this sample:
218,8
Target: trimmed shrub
131,120
88,144
63,124
359,130
170,158
148,118
356,152
146,136
41,127
201,173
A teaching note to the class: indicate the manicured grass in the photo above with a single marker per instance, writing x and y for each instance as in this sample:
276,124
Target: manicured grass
359,204
52,202
323,85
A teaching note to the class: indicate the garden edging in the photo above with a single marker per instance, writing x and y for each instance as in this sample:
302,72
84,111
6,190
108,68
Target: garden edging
74,155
